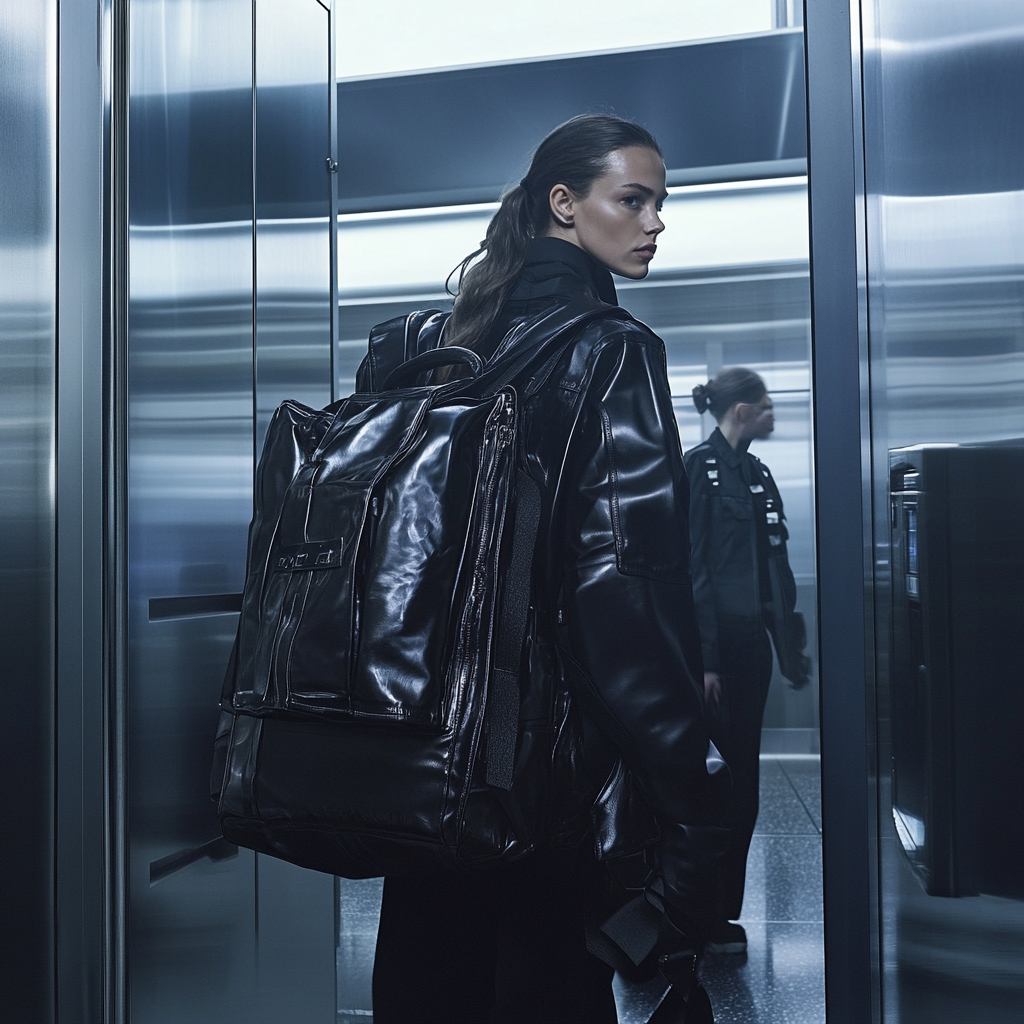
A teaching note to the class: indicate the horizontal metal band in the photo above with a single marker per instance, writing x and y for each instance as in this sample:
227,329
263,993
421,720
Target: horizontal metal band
215,849
187,607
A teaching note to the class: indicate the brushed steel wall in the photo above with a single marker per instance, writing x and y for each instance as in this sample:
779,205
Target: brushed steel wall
228,313
191,916
28,251
944,228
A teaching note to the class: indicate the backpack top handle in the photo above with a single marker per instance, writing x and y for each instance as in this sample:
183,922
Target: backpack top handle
448,355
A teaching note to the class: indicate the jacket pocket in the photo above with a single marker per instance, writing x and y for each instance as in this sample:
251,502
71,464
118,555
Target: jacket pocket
737,508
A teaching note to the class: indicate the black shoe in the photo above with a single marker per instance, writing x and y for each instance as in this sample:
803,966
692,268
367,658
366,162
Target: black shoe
727,938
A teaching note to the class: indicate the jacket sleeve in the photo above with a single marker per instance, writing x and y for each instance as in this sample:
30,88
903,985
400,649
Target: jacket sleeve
701,539
627,594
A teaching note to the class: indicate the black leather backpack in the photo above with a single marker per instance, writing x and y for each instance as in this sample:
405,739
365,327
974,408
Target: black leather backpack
371,702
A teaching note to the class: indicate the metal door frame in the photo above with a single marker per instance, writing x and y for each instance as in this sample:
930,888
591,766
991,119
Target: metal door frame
843,509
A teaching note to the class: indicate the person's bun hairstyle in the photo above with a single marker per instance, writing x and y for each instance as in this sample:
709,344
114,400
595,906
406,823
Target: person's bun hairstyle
702,397
719,395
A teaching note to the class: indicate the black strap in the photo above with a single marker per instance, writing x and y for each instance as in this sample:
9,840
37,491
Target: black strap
503,699
535,340
446,355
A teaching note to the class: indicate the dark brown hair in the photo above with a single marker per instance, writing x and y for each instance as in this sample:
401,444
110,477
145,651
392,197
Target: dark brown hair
737,384
575,154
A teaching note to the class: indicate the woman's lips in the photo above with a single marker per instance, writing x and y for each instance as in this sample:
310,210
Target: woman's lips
646,251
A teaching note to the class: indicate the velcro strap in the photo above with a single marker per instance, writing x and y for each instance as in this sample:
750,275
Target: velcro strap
503,727
634,928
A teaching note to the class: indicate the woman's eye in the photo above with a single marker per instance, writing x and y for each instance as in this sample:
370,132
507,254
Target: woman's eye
632,201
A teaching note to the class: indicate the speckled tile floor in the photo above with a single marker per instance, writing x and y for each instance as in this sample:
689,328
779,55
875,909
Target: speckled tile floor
780,980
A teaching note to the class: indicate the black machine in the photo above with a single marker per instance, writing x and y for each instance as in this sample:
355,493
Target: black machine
958,664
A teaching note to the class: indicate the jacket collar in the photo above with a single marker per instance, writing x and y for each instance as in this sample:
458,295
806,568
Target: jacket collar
555,257
725,451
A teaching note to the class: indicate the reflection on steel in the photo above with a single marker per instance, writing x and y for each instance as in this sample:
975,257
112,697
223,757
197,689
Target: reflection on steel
943,101
28,280
293,185
190,485
230,311
711,104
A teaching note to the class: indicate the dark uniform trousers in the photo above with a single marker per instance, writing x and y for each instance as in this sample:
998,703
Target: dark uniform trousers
745,660
498,947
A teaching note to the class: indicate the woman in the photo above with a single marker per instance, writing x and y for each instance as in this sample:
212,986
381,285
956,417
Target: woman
743,588
612,610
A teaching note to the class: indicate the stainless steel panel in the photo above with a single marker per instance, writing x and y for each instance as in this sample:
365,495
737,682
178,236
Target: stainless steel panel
843,590
86,938
725,109
293,182
28,236
943,102
191,943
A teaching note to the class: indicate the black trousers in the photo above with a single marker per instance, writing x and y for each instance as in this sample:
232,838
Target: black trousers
500,947
745,662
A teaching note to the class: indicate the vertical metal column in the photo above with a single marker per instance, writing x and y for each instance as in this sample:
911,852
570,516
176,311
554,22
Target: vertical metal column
28,314
844,557
89,263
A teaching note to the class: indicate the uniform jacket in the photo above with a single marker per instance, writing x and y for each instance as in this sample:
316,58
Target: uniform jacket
742,581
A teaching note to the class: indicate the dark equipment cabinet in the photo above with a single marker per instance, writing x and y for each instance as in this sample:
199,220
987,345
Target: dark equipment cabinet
958,665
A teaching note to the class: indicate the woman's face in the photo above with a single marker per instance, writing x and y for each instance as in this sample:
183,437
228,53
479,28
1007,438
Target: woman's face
757,419
619,219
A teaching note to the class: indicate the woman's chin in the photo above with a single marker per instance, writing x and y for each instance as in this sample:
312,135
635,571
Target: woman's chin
633,273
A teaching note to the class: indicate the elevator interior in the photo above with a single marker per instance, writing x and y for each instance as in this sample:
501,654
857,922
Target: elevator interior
229,314
164,282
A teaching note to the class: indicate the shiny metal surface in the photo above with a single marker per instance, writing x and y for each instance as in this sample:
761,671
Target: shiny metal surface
227,315
191,935
727,109
28,250
293,185
943,99
87,867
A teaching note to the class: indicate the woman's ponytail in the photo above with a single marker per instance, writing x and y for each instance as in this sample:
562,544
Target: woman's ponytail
484,285
575,154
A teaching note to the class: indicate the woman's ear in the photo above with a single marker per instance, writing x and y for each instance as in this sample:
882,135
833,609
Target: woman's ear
562,202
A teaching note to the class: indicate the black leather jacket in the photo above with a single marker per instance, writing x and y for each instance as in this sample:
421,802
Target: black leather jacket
613,606
612,630
742,582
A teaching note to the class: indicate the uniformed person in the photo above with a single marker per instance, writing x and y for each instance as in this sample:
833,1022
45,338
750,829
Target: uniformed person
743,590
